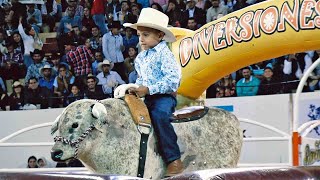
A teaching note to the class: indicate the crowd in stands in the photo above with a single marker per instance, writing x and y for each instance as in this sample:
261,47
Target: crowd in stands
96,53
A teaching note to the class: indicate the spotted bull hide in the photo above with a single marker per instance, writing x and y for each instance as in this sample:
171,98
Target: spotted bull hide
112,144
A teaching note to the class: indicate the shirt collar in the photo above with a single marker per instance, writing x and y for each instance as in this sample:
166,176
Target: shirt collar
157,48
244,79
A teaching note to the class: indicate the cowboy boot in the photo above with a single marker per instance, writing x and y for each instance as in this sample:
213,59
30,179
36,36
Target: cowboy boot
174,168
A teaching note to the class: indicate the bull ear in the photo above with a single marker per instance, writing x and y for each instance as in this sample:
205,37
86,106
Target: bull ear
100,113
55,125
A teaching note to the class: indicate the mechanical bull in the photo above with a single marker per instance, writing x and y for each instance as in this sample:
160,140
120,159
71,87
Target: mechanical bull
105,138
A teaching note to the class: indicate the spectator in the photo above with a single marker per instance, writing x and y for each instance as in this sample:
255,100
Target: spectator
20,11
3,99
75,94
75,5
201,3
3,48
54,60
129,62
49,10
226,87
95,39
174,13
43,163
34,17
192,24
31,42
97,12
87,22
67,21
108,79
193,12
38,63
12,64
46,80
216,11
98,58
123,12
129,40
248,85
32,162
157,6
112,10
18,42
37,95
16,99
94,91
62,83
269,84
79,58
112,45
229,4
7,15
240,4
134,15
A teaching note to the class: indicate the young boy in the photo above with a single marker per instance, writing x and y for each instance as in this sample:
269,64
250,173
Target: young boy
158,78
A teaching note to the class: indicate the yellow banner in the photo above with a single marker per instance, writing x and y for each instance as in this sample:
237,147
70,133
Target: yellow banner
259,32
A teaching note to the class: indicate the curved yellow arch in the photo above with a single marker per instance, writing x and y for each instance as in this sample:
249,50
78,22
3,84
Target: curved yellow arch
256,33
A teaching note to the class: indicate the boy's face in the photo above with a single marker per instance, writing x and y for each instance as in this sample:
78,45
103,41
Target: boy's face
74,90
148,37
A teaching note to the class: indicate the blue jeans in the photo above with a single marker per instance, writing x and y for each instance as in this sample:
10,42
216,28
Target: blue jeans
161,107
99,20
27,60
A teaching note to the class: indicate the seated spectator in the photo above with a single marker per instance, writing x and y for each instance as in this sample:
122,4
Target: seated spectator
49,10
248,85
193,12
46,80
17,42
95,39
157,6
174,14
226,87
34,17
133,16
37,95
74,95
123,12
98,59
258,69
3,99
43,163
7,15
269,84
107,78
129,40
54,60
62,83
38,63
192,24
240,4
76,5
32,162
87,23
16,99
3,48
216,11
12,64
129,62
94,91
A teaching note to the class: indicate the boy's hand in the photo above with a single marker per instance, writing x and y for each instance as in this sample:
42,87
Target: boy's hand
141,91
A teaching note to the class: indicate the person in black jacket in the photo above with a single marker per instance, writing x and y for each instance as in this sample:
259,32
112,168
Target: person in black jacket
193,12
269,84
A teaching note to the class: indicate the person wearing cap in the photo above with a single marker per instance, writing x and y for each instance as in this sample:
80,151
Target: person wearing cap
112,46
46,80
16,98
192,11
108,79
159,77
94,91
38,63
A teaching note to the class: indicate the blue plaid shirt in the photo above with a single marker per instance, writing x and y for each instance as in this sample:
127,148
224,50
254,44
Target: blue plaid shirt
158,70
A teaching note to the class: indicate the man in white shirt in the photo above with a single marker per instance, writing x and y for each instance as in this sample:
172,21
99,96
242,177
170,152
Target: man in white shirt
107,78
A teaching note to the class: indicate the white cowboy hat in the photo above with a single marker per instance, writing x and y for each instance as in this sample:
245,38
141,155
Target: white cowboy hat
155,19
105,62
47,66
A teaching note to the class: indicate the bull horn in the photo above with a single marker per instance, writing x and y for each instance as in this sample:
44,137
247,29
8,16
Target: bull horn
99,112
